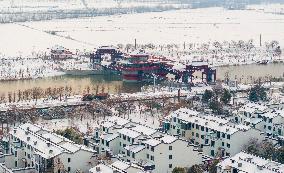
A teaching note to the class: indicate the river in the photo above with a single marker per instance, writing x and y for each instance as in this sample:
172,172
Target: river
113,84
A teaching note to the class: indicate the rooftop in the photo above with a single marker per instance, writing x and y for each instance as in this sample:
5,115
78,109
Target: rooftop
249,163
212,122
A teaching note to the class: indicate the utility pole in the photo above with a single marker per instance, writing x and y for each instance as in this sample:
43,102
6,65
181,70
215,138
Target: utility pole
154,76
135,43
260,40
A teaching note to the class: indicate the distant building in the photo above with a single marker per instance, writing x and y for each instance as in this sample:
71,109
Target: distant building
59,52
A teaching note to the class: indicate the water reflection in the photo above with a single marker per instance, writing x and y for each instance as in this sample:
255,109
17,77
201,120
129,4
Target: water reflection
113,83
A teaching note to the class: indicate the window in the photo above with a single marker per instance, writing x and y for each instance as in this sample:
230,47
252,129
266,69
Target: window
202,136
16,164
170,156
206,141
170,147
175,119
270,120
197,135
128,153
128,138
228,145
192,133
197,126
212,143
228,136
206,129
29,156
218,134
223,135
170,165
264,119
212,153
133,155
69,169
124,137
269,127
264,126
147,156
152,149
16,153
202,128
223,144
152,158
69,160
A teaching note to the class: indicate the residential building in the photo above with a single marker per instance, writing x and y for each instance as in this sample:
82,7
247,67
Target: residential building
145,146
216,136
247,163
117,167
31,146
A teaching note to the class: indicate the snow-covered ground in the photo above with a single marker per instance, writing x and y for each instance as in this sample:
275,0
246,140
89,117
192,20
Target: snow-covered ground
178,26
45,5
268,8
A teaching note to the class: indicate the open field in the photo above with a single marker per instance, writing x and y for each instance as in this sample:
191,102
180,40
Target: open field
179,26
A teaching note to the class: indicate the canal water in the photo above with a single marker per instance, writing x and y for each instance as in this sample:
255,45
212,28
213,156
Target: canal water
113,84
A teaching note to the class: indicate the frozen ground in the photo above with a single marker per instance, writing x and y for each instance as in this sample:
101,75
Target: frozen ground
44,5
190,26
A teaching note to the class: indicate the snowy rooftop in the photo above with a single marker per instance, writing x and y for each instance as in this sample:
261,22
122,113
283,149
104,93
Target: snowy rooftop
47,144
109,137
253,107
128,132
144,130
101,168
152,142
249,163
135,148
120,165
168,139
215,123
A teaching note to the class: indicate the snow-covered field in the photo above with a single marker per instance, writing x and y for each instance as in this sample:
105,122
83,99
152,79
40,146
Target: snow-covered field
179,26
190,26
45,5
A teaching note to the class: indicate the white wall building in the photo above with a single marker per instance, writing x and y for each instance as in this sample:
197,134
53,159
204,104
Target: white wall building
117,167
220,135
247,163
144,146
268,120
31,146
